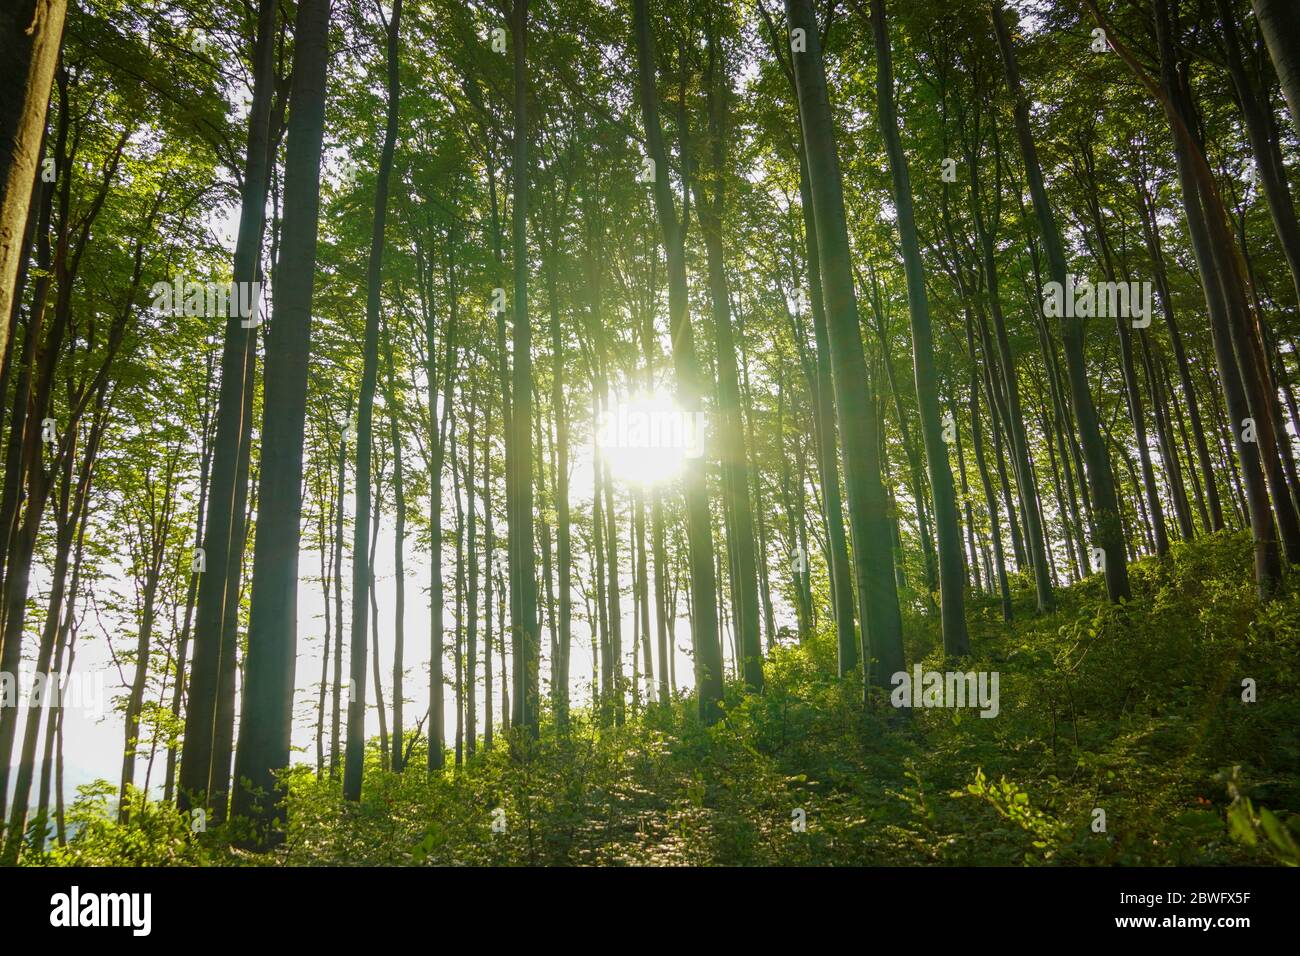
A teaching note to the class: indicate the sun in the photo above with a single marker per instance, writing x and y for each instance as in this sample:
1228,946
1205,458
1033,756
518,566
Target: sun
648,439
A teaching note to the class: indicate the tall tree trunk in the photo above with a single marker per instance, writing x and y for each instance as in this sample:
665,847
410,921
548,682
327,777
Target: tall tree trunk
458,658
399,563
873,559
488,552
223,529
661,594
563,542
192,592
643,590
828,447
543,505
708,649
1151,234
603,693
336,691
324,517
1007,379
372,597
63,644
1128,367
71,522
526,644
501,631
947,523
354,761
1256,112
952,605
31,33
266,718
157,505
615,596
735,457
437,443
1109,531
1217,269
471,597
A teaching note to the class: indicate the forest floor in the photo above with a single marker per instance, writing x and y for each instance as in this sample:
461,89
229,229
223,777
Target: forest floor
1134,710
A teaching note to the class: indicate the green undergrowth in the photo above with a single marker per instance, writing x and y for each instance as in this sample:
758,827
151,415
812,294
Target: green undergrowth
1134,710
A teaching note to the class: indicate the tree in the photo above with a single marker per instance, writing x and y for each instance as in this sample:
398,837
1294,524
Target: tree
1108,531
354,764
31,33
704,629
873,561
1284,49
526,647
266,717
952,575
203,781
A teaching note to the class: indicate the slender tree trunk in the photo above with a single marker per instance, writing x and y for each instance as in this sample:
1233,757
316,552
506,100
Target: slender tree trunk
735,457
1109,531
53,726
223,529
1151,234
524,625
324,505
563,542
1255,111
1007,382
828,448
399,562
868,518
158,504
267,714
615,596
31,34
336,692
708,649
604,692
354,761
1254,456
981,463
437,442
458,653
71,527
501,630
488,716
956,642
543,505
471,597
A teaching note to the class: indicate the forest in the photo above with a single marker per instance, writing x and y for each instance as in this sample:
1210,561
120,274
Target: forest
649,432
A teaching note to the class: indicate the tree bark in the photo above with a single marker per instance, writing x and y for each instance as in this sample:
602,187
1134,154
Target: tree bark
708,649
31,34
266,718
1109,531
524,627
223,529
868,516
1276,19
